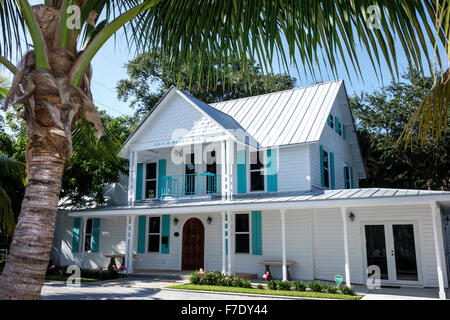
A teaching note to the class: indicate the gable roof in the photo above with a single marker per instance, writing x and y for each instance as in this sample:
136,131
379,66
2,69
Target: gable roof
224,121
286,117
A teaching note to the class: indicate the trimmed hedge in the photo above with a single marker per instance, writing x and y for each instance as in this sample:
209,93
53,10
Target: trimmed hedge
213,278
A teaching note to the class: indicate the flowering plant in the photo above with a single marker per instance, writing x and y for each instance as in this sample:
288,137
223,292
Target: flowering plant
201,271
122,268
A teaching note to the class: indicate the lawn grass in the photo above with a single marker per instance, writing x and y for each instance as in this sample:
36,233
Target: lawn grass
306,294
64,278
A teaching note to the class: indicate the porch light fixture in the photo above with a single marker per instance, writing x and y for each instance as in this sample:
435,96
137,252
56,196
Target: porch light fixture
351,216
209,220
175,221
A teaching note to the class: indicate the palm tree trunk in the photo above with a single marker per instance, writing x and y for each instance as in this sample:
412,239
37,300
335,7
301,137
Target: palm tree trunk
24,273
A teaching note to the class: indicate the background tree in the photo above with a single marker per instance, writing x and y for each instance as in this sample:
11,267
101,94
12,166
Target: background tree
381,117
150,76
52,81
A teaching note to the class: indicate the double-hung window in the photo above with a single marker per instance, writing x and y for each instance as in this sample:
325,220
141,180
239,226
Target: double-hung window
331,121
190,174
211,168
150,180
88,236
242,233
154,232
256,171
326,170
347,177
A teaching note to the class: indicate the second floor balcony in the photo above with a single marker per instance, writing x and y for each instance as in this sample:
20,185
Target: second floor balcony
191,185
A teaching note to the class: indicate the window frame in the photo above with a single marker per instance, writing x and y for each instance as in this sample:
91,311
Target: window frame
347,182
331,123
249,232
86,233
144,182
153,234
263,170
326,178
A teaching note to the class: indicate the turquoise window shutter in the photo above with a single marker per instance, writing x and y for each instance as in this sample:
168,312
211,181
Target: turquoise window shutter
256,233
322,175
346,178
272,169
76,234
329,119
141,234
351,178
95,234
241,171
139,179
165,233
343,132
336,122
161,174
333,183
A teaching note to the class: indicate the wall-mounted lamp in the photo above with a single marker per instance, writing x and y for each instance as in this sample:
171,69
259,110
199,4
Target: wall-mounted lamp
209,220
175,221
351,216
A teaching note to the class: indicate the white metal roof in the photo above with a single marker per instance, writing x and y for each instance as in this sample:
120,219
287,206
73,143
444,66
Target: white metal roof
278,200
286,117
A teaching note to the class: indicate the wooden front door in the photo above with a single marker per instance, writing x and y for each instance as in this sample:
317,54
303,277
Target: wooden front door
193,244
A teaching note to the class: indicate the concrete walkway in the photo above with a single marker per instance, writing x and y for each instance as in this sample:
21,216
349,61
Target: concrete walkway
400,293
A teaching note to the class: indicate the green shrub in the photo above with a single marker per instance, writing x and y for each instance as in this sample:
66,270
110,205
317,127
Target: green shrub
331,289
347,290
218,279
298,286
284,285
316,286
272,285
260,286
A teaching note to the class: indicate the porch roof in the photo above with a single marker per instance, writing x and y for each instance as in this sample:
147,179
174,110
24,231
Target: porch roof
278,200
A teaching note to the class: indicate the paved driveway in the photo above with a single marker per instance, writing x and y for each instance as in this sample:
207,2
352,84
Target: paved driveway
131,289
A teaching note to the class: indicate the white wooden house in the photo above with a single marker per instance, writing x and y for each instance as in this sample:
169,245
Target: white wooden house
273,177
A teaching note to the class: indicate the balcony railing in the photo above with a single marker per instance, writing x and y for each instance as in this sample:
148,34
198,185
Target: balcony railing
190,185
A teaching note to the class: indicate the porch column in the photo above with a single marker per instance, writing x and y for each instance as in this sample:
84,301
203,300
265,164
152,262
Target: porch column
129,243
229,226
83,240
436,217
130,179
135,160
223,167
347,263
224,255
230,163
283,243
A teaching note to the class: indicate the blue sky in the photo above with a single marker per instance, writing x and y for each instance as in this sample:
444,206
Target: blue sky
108,69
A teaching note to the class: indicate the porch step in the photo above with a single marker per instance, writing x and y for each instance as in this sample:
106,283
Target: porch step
247,276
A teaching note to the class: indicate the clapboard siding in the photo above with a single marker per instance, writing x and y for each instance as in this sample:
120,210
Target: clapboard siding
293,169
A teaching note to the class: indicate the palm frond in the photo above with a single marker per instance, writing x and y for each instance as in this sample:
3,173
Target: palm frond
6,213
11,168
86,144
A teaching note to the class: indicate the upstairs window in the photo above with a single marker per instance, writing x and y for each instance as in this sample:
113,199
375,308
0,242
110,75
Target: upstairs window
150,180
331,121
326,170
154,233
242,233
347,177
211,167
190,174
340,129
88,236
256,171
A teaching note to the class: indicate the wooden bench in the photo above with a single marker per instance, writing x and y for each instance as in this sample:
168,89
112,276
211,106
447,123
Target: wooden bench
276,263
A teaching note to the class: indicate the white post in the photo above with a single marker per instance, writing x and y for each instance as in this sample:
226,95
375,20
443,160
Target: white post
347,263
436,217
230,248
129,244
130,179
83,241
134,177
230,163
283,243
224,255
223,167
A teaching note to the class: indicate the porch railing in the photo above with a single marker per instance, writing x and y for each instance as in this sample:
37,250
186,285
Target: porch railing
190,185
